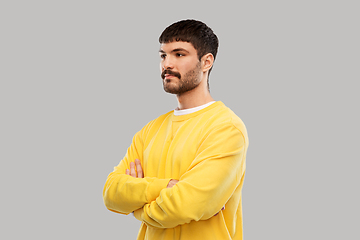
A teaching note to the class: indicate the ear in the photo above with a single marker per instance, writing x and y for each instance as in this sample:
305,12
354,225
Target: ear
207,62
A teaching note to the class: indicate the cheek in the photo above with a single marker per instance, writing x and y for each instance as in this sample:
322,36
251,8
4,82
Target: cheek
189,67
184,67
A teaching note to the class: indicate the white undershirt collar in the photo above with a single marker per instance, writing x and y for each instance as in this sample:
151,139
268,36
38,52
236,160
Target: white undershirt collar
191,110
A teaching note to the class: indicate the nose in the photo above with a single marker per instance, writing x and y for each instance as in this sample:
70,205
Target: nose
167,63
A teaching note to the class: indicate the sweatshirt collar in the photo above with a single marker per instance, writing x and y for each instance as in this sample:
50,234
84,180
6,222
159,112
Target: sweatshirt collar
191,110
194,114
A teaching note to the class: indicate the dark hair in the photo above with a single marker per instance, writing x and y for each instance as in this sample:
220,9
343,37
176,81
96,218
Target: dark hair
195,32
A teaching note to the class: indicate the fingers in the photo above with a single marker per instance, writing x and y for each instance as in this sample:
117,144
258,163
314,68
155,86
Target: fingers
135,169
140,173
132,169
172,183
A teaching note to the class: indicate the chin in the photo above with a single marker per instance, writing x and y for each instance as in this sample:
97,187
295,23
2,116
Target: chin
170,88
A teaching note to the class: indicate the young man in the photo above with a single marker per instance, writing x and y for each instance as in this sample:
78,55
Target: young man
183,174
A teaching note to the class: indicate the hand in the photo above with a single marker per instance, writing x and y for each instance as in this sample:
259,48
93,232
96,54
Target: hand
138,173
172,183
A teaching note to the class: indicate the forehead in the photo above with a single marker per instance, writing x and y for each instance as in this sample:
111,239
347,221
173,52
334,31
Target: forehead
168,47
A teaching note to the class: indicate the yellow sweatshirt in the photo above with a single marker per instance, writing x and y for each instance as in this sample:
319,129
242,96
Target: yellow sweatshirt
206,152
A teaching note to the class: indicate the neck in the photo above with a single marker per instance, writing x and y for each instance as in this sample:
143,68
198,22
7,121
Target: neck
194,98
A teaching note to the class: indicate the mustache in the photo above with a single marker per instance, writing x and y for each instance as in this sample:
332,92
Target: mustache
167,71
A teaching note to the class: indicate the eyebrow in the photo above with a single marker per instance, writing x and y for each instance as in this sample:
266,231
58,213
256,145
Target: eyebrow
175,50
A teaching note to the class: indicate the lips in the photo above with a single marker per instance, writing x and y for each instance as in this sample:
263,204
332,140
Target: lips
167,74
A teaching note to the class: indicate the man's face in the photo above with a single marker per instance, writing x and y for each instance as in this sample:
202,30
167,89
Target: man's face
180,67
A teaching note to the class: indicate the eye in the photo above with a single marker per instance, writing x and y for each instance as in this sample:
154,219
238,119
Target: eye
162,56
179,54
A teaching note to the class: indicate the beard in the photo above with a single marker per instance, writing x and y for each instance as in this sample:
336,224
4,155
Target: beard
188,82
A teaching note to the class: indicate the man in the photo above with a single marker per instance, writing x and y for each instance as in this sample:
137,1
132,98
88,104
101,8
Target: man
183,174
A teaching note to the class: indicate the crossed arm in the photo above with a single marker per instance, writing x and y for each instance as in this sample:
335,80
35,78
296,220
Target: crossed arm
166,203
136,171
139,173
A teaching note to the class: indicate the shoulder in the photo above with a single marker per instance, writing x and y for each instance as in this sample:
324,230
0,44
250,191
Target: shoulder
222,117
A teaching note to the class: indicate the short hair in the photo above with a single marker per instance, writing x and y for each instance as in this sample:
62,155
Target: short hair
195,32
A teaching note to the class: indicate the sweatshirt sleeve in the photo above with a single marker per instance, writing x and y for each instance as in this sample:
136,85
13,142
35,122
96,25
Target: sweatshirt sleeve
123,193
204,189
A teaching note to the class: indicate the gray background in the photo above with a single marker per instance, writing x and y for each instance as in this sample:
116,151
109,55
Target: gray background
80,78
